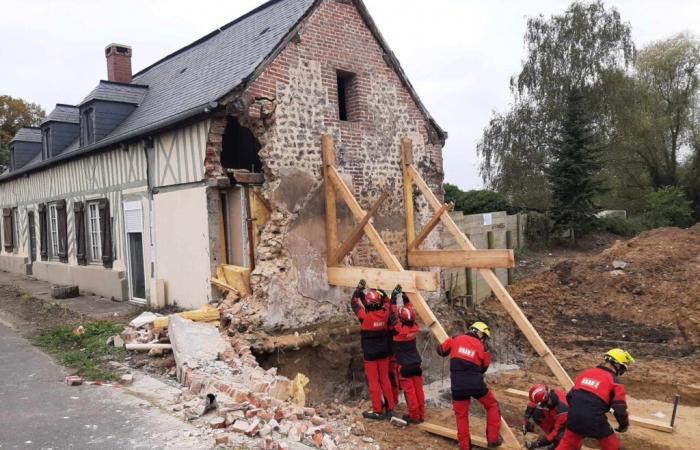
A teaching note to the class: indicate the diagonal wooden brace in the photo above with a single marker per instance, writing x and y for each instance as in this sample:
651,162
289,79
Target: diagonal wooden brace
429,227
358,231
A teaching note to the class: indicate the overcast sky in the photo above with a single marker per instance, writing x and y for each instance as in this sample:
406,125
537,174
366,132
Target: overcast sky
459,54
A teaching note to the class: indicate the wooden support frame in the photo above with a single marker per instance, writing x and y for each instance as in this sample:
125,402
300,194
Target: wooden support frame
335,183
429,227
474,259
358,231
410,281
452,434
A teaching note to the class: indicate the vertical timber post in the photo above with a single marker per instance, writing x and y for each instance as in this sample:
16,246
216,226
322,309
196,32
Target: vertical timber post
328,154
407,160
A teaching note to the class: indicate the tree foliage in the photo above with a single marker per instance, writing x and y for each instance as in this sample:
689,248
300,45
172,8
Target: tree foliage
15,113
475,202
668,207
575,50
573,172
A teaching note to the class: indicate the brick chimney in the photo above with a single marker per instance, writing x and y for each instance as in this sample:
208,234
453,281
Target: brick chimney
118,63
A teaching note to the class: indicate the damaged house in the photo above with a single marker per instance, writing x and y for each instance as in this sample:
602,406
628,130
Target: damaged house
212,156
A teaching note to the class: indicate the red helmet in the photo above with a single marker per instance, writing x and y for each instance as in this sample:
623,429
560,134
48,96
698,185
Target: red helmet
373,297
407,315
539,393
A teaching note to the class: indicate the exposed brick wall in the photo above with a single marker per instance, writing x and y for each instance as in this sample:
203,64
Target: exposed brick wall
290,105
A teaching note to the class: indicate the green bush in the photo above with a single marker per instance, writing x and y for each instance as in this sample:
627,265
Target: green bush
475,202
620,226
667,207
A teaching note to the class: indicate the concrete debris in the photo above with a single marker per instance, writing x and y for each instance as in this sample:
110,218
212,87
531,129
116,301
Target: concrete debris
217,422
126,379
74,380
619,264
194,344
142,319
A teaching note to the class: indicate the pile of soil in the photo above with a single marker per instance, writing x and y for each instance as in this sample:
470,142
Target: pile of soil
640,294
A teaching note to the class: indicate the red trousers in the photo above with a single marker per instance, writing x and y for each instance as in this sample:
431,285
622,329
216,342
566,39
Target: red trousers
377,373
573,441
493,419
394,378
415,398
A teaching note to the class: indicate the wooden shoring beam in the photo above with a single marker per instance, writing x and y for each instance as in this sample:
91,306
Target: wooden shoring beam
634,420
358,231
496,286
473,259
432,223
328,153
410,281
417,300
407,160
477,440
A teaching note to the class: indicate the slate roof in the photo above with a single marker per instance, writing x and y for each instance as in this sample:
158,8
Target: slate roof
63,113
117,92
27,134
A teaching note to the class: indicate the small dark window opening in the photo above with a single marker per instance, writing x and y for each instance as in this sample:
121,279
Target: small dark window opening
88,127
240,148
345,95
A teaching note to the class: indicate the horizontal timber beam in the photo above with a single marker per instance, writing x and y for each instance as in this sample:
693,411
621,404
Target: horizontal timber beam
451,433
474,259
410,281
634,420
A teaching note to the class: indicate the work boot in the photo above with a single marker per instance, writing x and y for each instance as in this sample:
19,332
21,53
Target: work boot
388,414
373,415
496,444
408,419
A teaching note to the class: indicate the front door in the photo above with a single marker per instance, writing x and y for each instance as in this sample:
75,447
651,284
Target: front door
133,226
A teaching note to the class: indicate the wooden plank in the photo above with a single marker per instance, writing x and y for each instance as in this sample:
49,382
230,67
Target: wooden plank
634,420
496,286
328,152
432,223
475,259
247,177
410,281
451,433
407,160
417,300
359,230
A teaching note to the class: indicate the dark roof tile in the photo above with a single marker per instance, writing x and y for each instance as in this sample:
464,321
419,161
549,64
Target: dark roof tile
63,113
27,134
117,92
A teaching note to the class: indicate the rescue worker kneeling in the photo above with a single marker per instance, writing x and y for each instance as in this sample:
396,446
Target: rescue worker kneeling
595,391
374,318
408,362
547,408
469,360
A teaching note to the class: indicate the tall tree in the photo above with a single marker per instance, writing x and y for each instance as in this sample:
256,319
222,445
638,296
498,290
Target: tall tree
15,113
574,50
573,172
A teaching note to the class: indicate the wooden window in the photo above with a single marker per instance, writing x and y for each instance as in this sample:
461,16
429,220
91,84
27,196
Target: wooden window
53,231
105,222
62,231
15,229
80,245
94,234
347,98
7,229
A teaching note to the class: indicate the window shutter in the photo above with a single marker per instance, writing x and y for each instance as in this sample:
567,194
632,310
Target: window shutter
62,230
7,228
106,232
80,242
43,236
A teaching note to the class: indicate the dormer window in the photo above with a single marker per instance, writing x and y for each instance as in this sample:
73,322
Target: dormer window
87,127
46,143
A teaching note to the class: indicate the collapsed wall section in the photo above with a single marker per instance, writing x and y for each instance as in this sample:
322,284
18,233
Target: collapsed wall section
333,77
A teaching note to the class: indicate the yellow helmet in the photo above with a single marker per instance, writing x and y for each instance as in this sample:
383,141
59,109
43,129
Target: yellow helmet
481,326
619,356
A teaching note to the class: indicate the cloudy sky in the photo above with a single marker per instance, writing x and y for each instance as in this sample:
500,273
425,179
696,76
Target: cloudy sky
459,54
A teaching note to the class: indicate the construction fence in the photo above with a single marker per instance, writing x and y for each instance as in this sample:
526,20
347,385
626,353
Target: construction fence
496,230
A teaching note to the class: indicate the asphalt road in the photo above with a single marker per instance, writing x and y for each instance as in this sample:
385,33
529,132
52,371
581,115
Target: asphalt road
39,411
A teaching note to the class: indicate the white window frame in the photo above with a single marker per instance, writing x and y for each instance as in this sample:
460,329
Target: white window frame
94,233
54,244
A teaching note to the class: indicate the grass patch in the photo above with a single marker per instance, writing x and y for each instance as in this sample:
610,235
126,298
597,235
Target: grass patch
86,354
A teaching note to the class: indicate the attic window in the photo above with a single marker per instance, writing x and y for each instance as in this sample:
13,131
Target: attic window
46,143
347,96
87,127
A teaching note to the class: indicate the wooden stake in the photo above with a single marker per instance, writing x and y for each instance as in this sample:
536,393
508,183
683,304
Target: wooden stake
328,153
407,160
429,227
358,231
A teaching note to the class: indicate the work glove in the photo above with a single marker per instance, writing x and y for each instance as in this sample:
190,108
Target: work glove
382,293
622,428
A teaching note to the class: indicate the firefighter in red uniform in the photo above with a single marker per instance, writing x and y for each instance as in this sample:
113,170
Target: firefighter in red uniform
469,360
374,318
547,408
390,304
595,391
408,362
